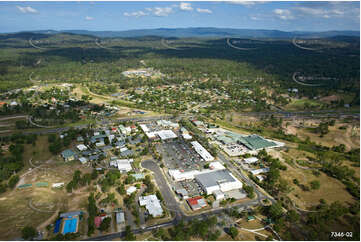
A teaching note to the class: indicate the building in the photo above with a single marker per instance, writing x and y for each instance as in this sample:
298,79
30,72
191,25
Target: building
250,160
202,151
123,165
131,189
196,203
68,155
57,185
218,195
152,204
138,176
83,160
81,147
255,142
259,171
183,193
166,134
70,214
221,180
119,216
144,128
179,175
186,136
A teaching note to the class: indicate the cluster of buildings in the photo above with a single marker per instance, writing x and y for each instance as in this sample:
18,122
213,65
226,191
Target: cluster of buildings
102,142
161,130
147,72
152,205
237,144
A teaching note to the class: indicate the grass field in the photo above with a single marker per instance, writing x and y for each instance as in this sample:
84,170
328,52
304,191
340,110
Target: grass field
350,136
299,104
43,198
331,189
39,152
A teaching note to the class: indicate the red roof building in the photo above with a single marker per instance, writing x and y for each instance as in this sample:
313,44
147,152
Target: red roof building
97,221
196,202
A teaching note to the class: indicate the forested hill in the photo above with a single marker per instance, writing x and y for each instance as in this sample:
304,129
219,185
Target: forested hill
208,32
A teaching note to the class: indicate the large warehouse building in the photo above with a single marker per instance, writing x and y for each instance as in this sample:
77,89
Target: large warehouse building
202,151
221,180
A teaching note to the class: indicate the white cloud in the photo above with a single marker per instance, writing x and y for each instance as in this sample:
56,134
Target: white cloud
283,14
320,12
312,11
27,9
136,14
204,10
245,3
185,7
162,12
89,18
337,12
255,18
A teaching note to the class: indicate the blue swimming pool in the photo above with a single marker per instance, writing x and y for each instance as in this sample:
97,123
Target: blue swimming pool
70,225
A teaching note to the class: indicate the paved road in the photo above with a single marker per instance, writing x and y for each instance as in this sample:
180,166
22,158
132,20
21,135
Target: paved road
173,205
167,194
260,196
141,213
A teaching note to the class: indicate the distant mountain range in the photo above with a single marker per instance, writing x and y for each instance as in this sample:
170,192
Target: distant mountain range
206,32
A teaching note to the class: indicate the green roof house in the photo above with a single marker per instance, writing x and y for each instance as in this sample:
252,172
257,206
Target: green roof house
68,155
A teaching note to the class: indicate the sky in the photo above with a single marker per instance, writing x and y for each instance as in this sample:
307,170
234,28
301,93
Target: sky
115,16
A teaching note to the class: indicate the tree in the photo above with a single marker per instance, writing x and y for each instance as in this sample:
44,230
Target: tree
129,236
121,189
249,190
315,184
292,216
13,181
233,232
28,233
275,210
104,226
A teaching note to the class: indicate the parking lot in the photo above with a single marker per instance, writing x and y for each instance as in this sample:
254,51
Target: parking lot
180,155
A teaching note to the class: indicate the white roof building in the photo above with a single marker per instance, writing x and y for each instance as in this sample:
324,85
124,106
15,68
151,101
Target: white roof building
218,194
144,128
221,180
123,165
99,144
166,134
259,171
131,189
167,123
260,177
81,147
83,160
187,136
202,151
57,185
250,160
178,175
152,204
